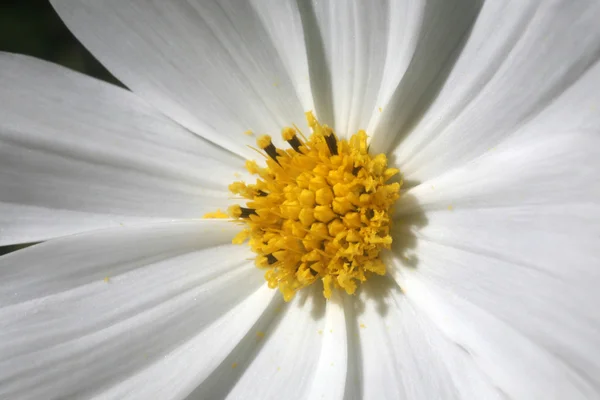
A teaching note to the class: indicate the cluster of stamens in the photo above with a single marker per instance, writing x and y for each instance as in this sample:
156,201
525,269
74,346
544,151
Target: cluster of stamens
319,211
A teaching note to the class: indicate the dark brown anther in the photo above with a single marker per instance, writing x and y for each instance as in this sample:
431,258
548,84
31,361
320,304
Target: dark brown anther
355,170
332,144
260,193
271,259
271,150
295,143
265,143
246,212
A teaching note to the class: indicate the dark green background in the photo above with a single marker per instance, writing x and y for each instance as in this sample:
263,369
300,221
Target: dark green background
32,27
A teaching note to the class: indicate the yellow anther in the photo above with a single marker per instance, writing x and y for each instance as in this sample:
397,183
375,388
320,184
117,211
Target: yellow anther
237,188
346,282
352,220
291,211
313,255
252,167
327,131
341,190
320,230
317,212
324,213
353,236
305,276
306,217
324,196
341,205
307,198
261,261
379,164
234,211
280,255
264,141
310,119
336,226
288,133
389,173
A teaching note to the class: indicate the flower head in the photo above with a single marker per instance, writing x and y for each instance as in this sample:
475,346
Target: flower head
318,212
488,108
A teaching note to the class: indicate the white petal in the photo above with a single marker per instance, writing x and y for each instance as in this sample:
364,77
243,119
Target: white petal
518,366
283,361
346,42
210,65
403,355
519,58
330,376
551,169
178,373
281,19
424,38
516,261
167,284
79,154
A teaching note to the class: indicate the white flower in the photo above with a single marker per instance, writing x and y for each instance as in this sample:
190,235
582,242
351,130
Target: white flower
492,113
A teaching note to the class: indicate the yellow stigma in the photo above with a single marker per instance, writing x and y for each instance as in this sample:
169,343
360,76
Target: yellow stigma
319,211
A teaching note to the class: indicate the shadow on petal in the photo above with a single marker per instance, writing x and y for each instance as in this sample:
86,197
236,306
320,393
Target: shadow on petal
379,289
403,248
320,72
220,382
445,29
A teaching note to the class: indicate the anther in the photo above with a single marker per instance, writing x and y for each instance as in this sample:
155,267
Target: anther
271,259
241,212
289,135
246,212
331,141
264,142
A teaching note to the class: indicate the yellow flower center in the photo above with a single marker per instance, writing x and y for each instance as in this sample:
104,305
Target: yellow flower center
319,211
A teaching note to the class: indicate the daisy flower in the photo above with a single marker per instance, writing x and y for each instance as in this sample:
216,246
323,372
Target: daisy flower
465,266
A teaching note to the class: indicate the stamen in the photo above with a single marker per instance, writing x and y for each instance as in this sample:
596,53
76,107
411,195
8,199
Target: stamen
331,141
317,213
289,135
264,142
241,212
246,212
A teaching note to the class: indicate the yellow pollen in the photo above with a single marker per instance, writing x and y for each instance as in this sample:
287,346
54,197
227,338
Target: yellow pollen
263,141
216,214
288,133
318,212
